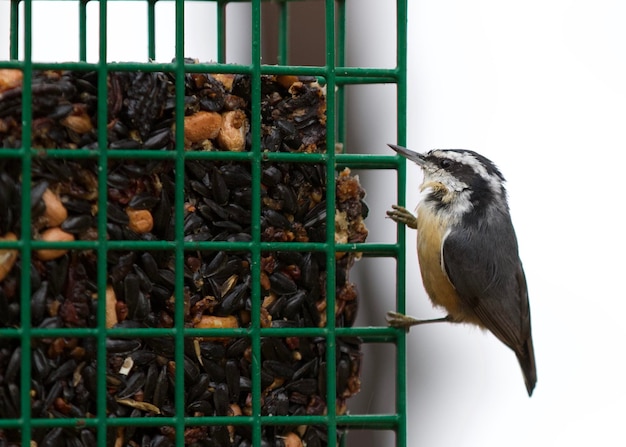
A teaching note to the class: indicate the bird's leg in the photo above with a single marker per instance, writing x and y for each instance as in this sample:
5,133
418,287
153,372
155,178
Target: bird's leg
398,320
400,214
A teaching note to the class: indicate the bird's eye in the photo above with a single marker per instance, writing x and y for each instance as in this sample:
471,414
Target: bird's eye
444,163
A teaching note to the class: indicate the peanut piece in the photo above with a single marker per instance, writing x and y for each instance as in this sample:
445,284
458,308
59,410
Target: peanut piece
7,256
10,78
55,212
202,126
292,440
140,221
78,121
54,234
111,313
232,135
233,410
213,322
286,80
225,79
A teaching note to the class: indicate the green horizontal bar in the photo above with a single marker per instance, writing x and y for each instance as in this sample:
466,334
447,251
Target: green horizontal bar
372,334
343,75
188,421
111,153
124,66
294,332
368,249
50,332
142,154
11,153
373,248
294,157
353,421
153,332
264,246
374,161
355,161
246,1
369,421
156,1
65,153
11,64
51,422
374,78
382,421
65,245
218,155
132,66
340,72
64,332
171,245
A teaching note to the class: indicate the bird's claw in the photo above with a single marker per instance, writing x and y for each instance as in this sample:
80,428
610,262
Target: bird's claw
400,321
401,215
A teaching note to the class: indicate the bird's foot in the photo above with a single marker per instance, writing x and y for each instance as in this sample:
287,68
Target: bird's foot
401,215
401,321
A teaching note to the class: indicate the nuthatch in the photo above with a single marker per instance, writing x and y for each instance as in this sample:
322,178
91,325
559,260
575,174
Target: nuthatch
467,250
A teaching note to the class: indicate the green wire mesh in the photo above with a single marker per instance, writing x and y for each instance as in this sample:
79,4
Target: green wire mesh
335,75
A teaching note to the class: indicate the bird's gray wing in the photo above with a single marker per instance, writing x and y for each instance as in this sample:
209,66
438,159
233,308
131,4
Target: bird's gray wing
483,265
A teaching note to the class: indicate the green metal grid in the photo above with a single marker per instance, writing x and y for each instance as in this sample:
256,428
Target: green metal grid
336,75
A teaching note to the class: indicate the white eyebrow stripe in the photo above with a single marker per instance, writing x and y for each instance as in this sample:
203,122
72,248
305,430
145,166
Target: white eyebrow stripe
468,159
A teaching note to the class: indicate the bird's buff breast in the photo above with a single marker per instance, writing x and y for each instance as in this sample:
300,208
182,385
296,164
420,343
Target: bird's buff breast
431,230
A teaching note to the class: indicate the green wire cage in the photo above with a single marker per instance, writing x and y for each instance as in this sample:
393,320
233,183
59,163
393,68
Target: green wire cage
102,261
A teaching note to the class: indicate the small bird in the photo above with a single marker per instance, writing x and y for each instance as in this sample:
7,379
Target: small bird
467,250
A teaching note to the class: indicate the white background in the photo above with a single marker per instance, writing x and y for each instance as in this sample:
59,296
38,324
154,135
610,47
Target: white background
540,88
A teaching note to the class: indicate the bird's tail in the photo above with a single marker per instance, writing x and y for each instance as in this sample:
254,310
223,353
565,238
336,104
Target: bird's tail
526,359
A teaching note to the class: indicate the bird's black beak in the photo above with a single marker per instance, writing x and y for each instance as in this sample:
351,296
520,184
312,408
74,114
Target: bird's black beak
408,154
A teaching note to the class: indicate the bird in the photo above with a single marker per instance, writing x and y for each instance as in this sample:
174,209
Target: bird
468,251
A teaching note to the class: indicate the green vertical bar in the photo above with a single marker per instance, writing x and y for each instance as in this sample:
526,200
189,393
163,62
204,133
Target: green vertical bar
331,342
283,33
25,232
14,35
402,70
82,30
341,62
101,336
179,202
401,370
255,111
340,49
221,31
151,30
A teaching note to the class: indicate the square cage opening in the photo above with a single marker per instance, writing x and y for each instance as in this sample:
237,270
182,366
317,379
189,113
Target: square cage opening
181,224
